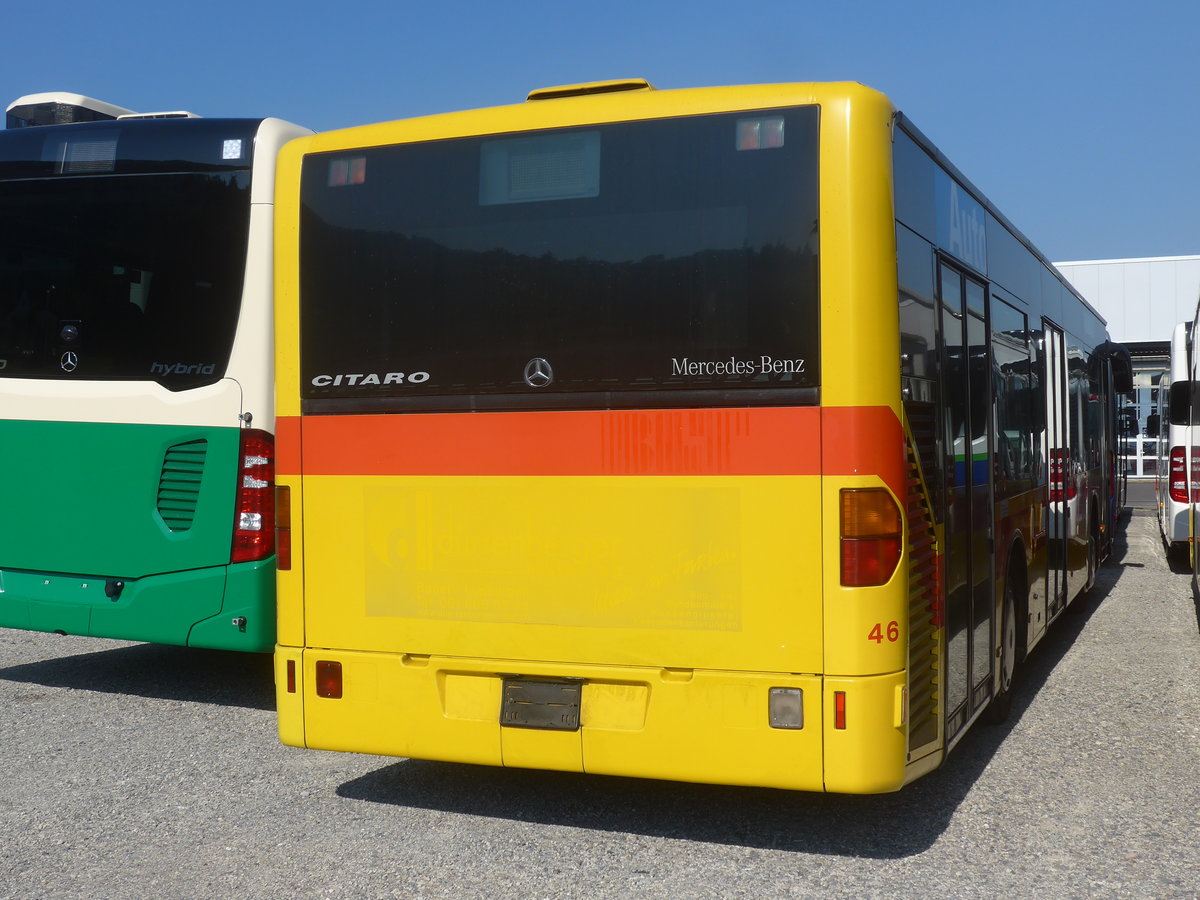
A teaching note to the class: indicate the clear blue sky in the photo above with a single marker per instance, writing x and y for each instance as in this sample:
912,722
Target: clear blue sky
1080,120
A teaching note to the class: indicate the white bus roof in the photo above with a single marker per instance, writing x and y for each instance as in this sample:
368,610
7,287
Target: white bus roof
55,107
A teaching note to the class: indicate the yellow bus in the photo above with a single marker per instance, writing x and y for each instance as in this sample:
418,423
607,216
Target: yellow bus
720,435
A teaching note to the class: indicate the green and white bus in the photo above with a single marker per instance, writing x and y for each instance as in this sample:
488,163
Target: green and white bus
136,408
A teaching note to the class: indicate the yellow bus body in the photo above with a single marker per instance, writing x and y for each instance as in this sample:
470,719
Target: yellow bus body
679,600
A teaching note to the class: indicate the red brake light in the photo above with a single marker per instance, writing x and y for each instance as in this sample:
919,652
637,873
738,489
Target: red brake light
254,506
329,679
1177,476
871,532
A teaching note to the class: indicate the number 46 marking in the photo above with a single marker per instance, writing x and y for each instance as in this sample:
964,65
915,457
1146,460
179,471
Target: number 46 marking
877,633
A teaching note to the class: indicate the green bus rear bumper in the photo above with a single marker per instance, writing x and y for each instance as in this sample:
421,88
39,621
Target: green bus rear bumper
223,607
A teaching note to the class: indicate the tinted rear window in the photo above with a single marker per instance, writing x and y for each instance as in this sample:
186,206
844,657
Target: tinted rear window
123,249
122,277
671,255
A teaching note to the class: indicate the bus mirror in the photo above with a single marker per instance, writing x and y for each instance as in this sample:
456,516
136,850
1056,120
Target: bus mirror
1180,409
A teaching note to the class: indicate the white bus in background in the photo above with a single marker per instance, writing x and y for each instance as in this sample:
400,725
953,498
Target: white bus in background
1177,479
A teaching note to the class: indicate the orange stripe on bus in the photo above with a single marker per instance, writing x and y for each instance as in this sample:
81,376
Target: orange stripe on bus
864,440
764,441
757,441
287,445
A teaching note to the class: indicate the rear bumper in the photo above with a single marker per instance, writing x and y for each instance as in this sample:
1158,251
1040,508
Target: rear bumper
674,724
1177,524
222,607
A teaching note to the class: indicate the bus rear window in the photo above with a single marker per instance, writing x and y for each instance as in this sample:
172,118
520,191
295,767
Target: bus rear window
566,268
122,277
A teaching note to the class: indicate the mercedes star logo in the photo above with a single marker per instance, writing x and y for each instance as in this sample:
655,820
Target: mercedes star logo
69,361
538,373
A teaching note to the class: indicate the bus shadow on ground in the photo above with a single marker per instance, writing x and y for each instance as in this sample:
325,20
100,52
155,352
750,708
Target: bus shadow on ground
885,826
160,672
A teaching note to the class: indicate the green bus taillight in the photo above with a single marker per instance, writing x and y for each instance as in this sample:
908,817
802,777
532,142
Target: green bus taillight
254,510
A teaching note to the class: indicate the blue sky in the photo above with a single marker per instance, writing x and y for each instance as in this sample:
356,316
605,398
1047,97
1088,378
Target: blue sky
1080,120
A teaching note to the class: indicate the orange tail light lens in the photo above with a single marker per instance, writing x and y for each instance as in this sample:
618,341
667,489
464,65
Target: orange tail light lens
872,535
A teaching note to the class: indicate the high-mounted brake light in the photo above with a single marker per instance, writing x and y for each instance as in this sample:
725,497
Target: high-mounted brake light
254,506
871,532
760,134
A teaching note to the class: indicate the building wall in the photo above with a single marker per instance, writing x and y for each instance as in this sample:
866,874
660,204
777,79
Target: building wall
1142,299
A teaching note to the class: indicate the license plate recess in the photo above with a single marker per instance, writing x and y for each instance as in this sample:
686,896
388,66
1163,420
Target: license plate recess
551,704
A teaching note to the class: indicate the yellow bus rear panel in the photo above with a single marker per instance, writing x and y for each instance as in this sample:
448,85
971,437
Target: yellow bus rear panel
557,568
685,725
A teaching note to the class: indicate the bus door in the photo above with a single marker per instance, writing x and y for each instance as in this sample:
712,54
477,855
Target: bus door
968,426
1058,457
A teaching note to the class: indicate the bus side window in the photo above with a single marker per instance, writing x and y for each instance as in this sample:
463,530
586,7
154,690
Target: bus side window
1017,394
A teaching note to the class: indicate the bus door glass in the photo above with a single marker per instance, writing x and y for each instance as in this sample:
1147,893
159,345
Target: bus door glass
968,439
982,519
1058,460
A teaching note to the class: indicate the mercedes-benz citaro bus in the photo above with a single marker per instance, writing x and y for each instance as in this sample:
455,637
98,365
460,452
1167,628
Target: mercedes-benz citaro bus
136,397
685,434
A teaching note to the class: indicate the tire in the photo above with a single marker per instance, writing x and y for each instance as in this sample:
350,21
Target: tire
1001,705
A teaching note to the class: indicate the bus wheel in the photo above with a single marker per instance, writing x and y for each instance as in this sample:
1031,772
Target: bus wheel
1001,704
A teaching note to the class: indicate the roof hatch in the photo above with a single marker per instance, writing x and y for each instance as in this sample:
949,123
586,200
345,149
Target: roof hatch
591,87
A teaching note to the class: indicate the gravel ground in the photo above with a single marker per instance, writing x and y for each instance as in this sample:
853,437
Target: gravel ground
141,771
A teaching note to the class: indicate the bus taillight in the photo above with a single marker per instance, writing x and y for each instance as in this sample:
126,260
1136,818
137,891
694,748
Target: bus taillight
871,535
1194,478
1062,485
254,507
1177,476
329,679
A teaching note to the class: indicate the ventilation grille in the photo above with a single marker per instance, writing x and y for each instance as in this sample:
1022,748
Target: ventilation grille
179,484
923,591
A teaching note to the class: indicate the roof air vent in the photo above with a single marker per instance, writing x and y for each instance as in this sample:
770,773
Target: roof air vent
171,114
591,87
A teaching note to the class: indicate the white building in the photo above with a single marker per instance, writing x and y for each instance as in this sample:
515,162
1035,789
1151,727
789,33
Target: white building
1143,300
